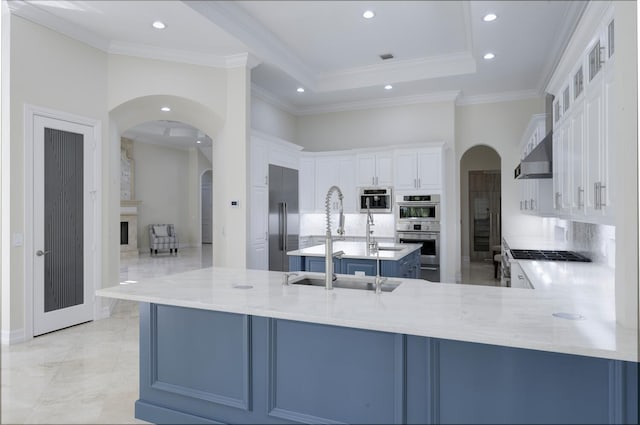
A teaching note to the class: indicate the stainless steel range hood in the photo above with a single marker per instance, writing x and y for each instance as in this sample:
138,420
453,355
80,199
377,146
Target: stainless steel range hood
538,164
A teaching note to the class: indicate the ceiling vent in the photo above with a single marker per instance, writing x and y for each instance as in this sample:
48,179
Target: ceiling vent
386,56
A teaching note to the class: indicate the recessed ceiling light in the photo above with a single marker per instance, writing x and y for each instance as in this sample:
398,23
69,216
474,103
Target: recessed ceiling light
165,109
159,25
388,87
300,90
489,56
368,14
490,17
198,141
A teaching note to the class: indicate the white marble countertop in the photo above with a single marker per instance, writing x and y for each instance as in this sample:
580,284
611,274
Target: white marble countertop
359,250
510,317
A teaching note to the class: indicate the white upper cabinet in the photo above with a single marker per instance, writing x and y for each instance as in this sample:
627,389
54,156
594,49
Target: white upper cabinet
583,152
307,184
336,171
259,163
374,169
418,169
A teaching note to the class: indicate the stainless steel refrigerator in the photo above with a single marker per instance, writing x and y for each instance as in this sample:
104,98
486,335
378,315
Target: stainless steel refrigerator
284,219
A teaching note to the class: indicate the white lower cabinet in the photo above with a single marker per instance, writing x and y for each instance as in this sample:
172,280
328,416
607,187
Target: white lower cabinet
258,257
518,278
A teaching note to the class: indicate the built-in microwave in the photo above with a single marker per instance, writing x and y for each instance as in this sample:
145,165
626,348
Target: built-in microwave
417,207
376,199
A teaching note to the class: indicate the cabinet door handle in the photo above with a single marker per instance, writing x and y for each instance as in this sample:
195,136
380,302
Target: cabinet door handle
596,196
415,183
526,204
373,180
602,202
520,205
266,180
531,204
580,197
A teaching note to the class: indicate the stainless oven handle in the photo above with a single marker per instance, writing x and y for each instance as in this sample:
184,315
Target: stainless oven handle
432,269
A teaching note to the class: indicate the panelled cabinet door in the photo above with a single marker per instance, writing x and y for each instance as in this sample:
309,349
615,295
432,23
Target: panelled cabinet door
406,170
259,163
429,170
327,175
307,185
259,256
375,169
576,161
607,152
594,139
347,183
384,169
366,170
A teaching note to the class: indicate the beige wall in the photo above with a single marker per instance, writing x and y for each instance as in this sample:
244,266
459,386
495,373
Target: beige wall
55,72
376,127
162,184
272,120
500,126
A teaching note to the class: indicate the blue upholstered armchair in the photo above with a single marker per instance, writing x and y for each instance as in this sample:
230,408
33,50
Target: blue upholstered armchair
162,236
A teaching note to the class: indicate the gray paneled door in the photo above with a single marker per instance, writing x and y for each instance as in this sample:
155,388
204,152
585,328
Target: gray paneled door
64,214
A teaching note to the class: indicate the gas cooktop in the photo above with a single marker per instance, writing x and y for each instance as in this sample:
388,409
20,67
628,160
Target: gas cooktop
534,254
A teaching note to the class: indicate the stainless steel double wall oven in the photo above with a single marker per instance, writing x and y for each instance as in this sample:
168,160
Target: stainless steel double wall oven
418,221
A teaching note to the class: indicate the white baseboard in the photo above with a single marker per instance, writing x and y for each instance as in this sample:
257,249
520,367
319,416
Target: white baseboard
104,308
12,337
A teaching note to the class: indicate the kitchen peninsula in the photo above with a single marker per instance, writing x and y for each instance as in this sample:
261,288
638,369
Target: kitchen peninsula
223,345
396,260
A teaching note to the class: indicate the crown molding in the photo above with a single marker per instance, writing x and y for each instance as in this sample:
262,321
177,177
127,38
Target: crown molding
40,16
449,96
398,71
267,96
234,20
584,33
572,17
498,97
241,60
173,55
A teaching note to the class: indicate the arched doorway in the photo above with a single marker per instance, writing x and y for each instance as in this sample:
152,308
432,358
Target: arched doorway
480,205
149,109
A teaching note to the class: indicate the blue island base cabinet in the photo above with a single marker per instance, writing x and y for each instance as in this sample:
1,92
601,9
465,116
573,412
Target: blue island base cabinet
199,366
406,267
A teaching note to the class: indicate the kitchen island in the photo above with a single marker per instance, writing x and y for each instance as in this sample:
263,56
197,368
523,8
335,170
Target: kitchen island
396,260
224,345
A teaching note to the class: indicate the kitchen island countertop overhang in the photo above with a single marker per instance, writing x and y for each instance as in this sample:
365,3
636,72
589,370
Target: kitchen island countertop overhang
507,317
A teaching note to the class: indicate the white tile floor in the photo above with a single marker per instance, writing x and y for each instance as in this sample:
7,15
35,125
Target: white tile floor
479,273
89,373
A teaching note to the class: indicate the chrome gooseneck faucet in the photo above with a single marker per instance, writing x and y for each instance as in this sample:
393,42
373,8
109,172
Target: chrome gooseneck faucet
372,244
329,254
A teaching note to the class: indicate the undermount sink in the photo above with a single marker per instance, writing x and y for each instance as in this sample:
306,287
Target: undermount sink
366,284
390,248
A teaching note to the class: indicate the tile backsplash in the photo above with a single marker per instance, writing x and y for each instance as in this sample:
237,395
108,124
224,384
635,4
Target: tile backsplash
354,224
595,241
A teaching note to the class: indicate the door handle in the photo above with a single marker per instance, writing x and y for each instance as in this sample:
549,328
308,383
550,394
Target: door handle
40,252
285,235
